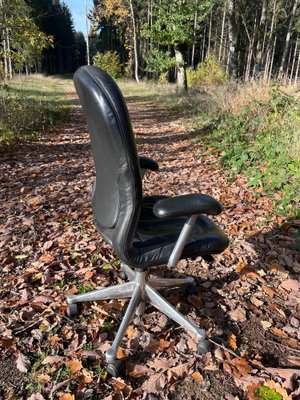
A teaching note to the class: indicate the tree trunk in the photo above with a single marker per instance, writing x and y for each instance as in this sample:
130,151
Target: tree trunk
269,45
209,31
297,69
181,72
194,42
272,59
203,45
222,33
232,40
261,31
288,38
10,70
136,59
294,60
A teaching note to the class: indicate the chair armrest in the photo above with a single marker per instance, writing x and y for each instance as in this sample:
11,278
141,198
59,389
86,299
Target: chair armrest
186,205
148,163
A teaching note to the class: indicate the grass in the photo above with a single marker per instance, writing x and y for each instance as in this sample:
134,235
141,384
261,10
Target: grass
30,105
253,128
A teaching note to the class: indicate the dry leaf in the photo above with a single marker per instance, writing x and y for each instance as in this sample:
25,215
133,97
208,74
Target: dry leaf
179,371
239,314
46,258
52,360
265,324
23,363
254,300
74,365
67,396
131,332
197,376
34,201
137,370
232,340
44,378
120,353
154,384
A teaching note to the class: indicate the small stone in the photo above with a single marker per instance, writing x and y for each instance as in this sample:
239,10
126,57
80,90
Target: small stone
294,322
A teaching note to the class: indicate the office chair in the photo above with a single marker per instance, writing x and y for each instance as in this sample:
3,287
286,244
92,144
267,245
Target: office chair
143,231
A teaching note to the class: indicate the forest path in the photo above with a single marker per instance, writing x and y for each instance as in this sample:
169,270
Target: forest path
247,299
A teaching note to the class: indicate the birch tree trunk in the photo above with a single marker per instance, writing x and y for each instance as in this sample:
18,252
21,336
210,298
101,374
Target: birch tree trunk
232,40
181,72
297,69
194,43
288,38
209,31
135,49
222,33
294,60
261,31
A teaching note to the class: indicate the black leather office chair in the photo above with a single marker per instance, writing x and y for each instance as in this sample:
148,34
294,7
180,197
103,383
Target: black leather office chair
143,231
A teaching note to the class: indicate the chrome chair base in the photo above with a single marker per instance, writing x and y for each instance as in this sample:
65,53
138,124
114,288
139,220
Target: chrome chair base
139,289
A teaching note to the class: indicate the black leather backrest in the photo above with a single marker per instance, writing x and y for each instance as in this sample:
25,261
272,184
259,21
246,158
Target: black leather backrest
117,192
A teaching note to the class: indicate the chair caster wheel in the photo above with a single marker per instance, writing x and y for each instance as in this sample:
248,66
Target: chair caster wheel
114,368
73,310
122,275
204,347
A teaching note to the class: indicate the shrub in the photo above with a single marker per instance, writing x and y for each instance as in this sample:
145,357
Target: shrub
258,143
109,62
209,72
22,116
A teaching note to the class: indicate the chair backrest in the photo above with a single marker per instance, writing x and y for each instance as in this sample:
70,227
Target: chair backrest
117,194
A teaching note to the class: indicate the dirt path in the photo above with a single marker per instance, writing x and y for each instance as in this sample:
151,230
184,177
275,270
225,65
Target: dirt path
248,299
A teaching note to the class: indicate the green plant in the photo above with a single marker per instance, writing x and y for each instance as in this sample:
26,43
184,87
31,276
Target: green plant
209,72
109,62
256,142
160,62
85,288
265,393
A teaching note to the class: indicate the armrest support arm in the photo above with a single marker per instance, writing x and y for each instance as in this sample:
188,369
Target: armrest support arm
148,163
187,205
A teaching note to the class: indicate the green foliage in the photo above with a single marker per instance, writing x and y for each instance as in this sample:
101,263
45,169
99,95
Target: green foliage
265,393
109,62
257,142
210,72
174,21
159,61
23,114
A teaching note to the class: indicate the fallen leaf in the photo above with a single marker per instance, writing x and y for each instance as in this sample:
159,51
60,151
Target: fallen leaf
232,340
46,258
154,384
52,360
137,370
265,324
34,201
239,314
23,363
197,376
67,396
179,371
120,353
74,365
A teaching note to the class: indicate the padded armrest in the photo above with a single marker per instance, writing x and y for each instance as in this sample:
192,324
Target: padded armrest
148,163
189,204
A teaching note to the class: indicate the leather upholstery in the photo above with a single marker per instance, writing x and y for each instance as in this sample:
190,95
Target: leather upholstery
122,216
188,204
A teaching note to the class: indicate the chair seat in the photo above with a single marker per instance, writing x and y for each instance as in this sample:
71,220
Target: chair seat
155,238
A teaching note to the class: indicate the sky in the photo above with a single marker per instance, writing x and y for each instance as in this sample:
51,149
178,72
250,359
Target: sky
77,8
